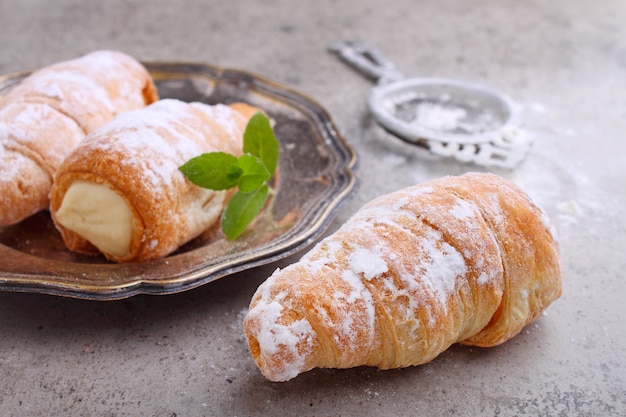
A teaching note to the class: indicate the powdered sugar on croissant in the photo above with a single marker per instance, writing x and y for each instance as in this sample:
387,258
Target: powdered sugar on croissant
47,115
121,193
465,259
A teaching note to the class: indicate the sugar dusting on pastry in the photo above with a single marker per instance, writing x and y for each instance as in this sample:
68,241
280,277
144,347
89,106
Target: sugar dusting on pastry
291,341
138,155
462,210
137,132
442,268
54,84
359,295
368,262
405,277
438,264
21,131
48,113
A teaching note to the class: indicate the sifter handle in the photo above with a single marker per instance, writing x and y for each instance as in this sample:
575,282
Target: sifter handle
367,60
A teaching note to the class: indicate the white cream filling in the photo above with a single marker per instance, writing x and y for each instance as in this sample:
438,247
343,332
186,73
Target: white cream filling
204,208
99,215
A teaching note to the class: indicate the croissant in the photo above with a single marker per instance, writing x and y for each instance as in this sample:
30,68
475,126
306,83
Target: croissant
45,116
121,193
468,259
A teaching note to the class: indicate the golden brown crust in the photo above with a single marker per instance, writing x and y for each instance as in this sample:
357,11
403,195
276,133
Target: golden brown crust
530,254
91,89
23,192
47,115
408,275
138,155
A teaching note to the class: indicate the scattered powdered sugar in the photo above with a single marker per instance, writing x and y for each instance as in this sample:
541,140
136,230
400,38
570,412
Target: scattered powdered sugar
274,337
443,114
359,293
443,266
324,253
221,113
128,91
410,290
367,262
82,91
439,265
160,130
135,145
399,204
389,213
34,125
421,190
148,118
31,115
497,213
71,85
120,77
107,61
484,278
462,210
9,171
438,117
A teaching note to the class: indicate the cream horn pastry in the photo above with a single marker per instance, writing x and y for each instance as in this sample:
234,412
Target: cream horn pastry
467,259
44,118
121,192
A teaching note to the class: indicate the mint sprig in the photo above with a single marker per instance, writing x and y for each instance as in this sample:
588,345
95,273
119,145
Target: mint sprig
249,172
241,209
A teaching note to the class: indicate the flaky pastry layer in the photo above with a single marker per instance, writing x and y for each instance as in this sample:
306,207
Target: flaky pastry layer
467,259
44,118
138,155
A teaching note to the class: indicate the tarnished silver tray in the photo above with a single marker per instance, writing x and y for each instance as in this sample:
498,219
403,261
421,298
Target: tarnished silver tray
315,175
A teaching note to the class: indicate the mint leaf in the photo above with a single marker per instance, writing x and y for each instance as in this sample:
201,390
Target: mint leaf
250,173
241,210
259,140
254,173
215,170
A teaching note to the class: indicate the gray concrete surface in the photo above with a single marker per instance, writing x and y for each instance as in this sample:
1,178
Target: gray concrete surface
563,61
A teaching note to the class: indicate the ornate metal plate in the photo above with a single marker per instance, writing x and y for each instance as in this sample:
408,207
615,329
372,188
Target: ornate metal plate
315,175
